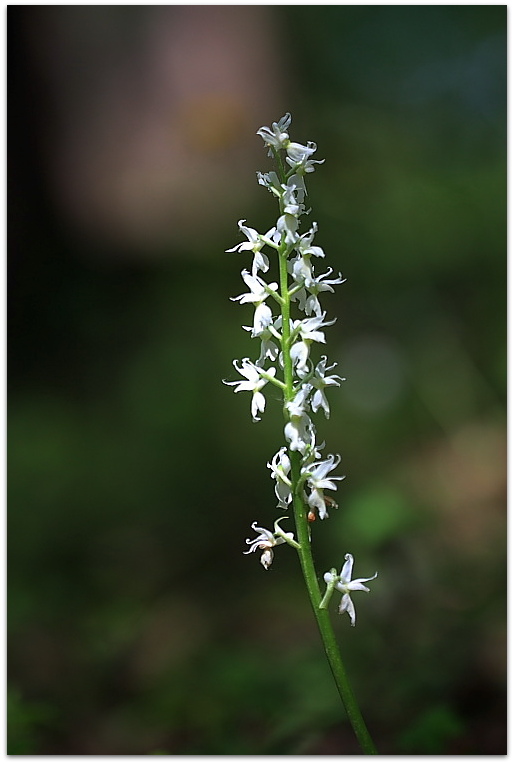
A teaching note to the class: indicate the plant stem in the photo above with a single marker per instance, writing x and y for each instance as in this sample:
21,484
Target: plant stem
303,535
323,618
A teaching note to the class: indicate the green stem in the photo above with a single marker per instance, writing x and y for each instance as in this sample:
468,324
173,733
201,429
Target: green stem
303,535
323,618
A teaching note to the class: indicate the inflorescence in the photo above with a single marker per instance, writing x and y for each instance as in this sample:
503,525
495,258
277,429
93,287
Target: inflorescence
285,346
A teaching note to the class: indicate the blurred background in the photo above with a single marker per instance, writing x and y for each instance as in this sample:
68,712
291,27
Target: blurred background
136,625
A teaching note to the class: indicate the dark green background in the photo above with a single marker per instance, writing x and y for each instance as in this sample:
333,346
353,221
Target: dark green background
136,625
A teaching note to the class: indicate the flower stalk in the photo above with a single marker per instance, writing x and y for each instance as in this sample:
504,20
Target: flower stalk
300,472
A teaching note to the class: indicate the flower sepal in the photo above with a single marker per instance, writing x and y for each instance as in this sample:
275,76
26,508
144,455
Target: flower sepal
287,537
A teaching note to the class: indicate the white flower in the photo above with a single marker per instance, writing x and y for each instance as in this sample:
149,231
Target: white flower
269,180
346,585
268,334
308,328
262,319
257,295
304,246
315,286
288,225
300,355
319,381
317,480
298,433
292,196
280,467
309,331
299,430
258,289
266,540
292,207
276,137
320,283
254,384
298,157
312,453
301,271
298,153
254,244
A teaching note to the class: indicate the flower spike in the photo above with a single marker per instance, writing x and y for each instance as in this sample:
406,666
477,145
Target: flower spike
290,333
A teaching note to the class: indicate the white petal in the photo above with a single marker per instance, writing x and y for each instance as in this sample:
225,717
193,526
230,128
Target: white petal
258,405
358,585
348,607
346,572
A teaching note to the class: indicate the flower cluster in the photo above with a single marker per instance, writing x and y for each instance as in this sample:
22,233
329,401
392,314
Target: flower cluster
287,341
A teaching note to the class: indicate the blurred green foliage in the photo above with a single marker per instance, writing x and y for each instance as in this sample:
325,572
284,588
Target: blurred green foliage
136,626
